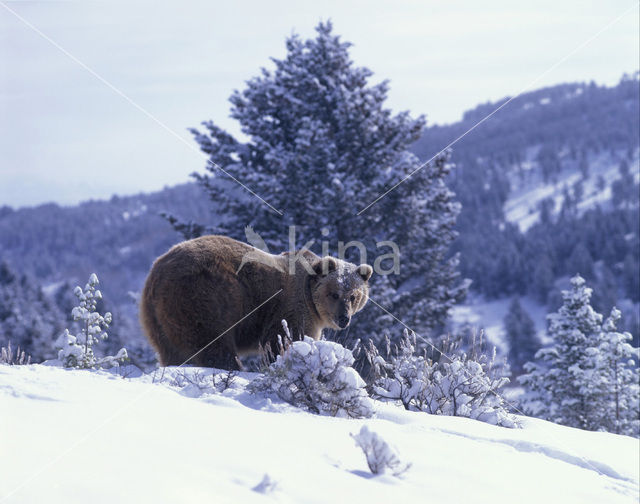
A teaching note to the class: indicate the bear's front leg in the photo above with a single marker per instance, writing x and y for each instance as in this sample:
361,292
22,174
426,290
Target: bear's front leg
220,355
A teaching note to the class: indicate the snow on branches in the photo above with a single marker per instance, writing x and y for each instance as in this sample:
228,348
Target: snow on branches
456,385
381,457
587,377
316,376
76,351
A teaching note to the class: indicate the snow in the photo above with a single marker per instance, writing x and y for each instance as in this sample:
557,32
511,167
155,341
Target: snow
380,456
456,386
137,212
73,434
489,316
317,376
50,289
522,206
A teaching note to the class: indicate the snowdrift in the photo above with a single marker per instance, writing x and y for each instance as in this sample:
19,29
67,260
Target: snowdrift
177,436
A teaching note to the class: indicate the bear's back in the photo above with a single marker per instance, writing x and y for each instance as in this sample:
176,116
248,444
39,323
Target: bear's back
210,253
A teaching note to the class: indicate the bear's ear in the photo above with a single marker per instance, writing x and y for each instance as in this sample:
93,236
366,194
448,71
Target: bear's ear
365,271
325,266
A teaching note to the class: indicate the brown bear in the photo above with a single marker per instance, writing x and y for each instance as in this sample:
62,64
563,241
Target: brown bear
209,300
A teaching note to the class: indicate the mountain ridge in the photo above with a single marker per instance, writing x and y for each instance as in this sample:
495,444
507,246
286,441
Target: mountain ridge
530,140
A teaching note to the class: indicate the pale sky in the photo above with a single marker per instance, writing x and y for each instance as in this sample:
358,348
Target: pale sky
66,136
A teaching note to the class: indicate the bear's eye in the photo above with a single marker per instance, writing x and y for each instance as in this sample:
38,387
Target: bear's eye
334,296
352,298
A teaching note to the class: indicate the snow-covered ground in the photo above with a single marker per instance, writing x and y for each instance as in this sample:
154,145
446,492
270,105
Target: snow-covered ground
71,436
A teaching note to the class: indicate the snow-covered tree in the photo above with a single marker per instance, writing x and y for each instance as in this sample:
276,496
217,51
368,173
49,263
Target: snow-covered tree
614,382
587,378
457,384
322,148
521,336
558,380
316,376
77,350
28,318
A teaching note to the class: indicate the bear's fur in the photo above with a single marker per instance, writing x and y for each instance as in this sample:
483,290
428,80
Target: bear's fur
204,305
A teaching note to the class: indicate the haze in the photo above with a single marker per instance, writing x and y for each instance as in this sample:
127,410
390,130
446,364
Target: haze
66,136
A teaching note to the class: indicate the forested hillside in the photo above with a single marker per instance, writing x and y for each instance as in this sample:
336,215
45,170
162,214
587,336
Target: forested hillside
548,186
49,249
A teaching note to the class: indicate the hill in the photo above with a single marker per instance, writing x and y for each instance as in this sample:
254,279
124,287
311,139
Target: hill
53,248
159,438
548,186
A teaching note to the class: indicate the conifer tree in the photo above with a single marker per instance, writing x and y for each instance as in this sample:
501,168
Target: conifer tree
521,335
28,318
556,380
615,382
76,350
321,149
543,278
581,260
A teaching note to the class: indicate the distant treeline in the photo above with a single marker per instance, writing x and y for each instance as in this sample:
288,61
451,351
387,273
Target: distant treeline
48,249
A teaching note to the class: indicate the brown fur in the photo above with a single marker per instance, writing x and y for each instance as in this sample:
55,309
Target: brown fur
198,302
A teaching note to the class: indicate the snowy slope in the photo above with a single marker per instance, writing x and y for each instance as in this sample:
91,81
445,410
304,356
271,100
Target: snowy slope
70,436
488,315
522,207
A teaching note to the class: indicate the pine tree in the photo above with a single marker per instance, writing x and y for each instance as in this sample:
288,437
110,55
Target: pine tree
521,335
557,379
546,208
322,148
543,278
77,350
631,277
615,382
581,260
28,318
605,290
549,162
421,220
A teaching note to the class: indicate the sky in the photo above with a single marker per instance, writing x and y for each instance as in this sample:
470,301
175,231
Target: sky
96,97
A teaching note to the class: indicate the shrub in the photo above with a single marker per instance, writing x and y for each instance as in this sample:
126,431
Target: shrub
380,456
316,376
8,357
456,384
76,351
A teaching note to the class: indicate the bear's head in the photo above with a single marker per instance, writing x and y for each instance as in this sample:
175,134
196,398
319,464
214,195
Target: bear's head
339,289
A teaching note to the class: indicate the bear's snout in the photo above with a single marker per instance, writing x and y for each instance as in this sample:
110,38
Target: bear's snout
343,321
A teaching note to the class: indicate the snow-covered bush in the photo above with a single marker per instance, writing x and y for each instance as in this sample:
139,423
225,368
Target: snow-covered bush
457,384
380,456
7,356
316,376
76,351
195,382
